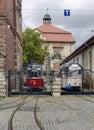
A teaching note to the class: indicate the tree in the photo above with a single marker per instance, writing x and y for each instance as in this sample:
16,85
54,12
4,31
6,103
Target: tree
33,47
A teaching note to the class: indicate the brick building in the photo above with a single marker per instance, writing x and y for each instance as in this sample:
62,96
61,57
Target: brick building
10,39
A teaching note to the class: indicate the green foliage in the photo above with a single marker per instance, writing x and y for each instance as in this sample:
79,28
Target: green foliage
32,47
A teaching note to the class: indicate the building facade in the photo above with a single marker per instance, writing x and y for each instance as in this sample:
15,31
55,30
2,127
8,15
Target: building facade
60,43
84,55
10,38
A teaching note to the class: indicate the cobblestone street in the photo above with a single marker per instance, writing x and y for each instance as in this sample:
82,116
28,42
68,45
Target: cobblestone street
67,112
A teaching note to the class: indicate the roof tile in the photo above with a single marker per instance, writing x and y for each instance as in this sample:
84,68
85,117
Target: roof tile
54,34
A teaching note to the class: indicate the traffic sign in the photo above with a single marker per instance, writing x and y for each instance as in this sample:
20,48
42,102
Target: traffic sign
66,12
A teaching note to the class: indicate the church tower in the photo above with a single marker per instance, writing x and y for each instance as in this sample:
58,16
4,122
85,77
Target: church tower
47,18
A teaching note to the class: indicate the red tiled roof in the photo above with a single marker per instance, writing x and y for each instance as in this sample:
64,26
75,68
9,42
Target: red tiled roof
49,28
55,34
58,37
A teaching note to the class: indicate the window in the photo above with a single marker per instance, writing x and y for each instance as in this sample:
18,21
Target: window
77,60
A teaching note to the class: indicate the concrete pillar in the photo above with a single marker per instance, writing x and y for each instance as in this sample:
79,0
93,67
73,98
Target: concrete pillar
56,86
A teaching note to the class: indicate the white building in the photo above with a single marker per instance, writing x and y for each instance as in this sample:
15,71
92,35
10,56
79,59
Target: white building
84,55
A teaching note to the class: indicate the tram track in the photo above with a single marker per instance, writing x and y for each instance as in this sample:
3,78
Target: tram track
11,104
36,118
19,108
10,126
7,103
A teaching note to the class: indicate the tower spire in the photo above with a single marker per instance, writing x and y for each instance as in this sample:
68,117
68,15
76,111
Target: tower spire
47,18
47,10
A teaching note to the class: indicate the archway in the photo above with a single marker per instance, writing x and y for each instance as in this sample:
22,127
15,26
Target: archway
56,60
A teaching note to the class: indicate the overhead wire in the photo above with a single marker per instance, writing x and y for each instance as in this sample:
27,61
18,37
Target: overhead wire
73,11
57,9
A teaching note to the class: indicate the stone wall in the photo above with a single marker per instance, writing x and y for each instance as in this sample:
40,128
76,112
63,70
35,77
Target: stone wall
3,79
10,39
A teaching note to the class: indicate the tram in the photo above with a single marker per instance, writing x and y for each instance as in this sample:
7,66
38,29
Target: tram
34,78
71,77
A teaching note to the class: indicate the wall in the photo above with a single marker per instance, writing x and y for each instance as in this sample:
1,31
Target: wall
11,34
64,50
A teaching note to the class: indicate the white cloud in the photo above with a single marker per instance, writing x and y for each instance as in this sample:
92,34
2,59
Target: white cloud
80,23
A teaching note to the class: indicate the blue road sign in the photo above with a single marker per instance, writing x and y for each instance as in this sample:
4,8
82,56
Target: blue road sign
66,12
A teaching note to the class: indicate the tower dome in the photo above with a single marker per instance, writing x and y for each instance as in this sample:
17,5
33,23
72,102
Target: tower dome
47,18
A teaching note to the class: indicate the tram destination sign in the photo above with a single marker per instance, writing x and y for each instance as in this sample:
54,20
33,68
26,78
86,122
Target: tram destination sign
74,67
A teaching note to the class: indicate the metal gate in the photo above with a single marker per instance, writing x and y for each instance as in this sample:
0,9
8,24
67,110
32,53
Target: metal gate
88,80
15,81
84,79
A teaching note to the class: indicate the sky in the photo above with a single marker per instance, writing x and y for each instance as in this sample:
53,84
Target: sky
80,22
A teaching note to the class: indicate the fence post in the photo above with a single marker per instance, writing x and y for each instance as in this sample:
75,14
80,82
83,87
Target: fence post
9,82
83,80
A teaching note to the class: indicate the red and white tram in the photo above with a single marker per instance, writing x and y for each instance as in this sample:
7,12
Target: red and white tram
34,78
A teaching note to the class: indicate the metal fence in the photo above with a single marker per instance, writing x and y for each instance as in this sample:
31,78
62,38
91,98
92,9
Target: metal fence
88,80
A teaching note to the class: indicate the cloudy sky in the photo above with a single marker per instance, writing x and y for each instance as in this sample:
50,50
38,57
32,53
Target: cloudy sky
80,22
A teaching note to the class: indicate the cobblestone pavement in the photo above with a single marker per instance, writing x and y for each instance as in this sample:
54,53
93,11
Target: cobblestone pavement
67,112
6,113
24,119
4,118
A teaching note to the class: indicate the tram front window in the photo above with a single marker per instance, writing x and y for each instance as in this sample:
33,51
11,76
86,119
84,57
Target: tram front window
75,73
34,74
